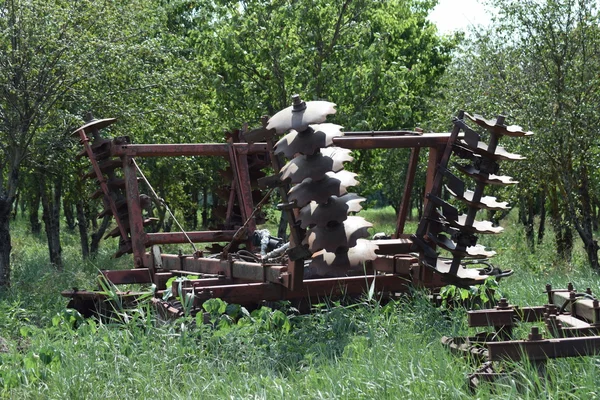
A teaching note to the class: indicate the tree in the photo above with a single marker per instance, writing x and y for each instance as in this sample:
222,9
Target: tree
539,63
380,61
54,55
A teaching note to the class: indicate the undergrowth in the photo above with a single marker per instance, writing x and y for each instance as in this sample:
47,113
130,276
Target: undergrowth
358,350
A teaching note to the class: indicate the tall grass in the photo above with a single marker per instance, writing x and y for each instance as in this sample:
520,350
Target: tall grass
356,351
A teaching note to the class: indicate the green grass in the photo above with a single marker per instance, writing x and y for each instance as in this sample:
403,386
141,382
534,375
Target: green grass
359,351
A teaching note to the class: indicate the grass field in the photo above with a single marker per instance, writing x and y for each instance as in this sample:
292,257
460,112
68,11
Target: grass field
357,351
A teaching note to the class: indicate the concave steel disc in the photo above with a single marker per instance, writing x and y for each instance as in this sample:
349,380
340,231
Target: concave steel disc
333,184
288,118
477,251
95,124
317,165
487,202
335,209
483,227
340,235
308,141
492,125
354,258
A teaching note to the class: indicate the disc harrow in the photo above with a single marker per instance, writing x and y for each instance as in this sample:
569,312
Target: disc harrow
329,252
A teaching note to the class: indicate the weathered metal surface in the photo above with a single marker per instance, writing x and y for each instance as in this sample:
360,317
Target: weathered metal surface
315,166
333,184
498,127
187,150
300,115
335,209
570,317
309,141
332,237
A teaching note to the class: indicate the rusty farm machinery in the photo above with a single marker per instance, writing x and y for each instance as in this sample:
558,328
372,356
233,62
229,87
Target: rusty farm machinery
328,253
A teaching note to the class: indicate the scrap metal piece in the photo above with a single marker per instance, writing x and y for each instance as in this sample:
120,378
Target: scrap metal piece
333,184
300,115
308,141
487,202
335,209
334,236
498,127
317,165
326,263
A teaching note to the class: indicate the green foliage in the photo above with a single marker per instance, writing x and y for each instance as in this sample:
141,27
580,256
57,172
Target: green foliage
473,297
362,350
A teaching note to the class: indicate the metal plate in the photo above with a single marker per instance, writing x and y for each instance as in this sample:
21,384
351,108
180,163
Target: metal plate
335,209
340,235
334,184
315,166
314,113
309,141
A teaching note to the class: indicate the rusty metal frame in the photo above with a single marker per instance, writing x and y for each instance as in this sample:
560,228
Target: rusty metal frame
241,281
572,319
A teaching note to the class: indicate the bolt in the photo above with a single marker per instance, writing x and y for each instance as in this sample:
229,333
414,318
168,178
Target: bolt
570,287
596,306
500,120
572,300
298,104
535,334
549,292
503,304
588,291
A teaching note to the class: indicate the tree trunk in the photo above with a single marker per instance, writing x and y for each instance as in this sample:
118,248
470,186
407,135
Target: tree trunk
526,214
15,207
205,207
69,215
97,236
83,229
542,226
5,243
34,209
585,228
562,229
51,217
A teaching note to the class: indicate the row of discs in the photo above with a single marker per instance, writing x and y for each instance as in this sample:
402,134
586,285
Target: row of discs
320,192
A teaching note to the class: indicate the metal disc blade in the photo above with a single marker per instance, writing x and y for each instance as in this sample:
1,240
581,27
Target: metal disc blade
314,113
487,202
491,179
477,227
333,184
500,129
353,259
339,236
477,251
315,166
499,154
335,209
95,124
308,141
